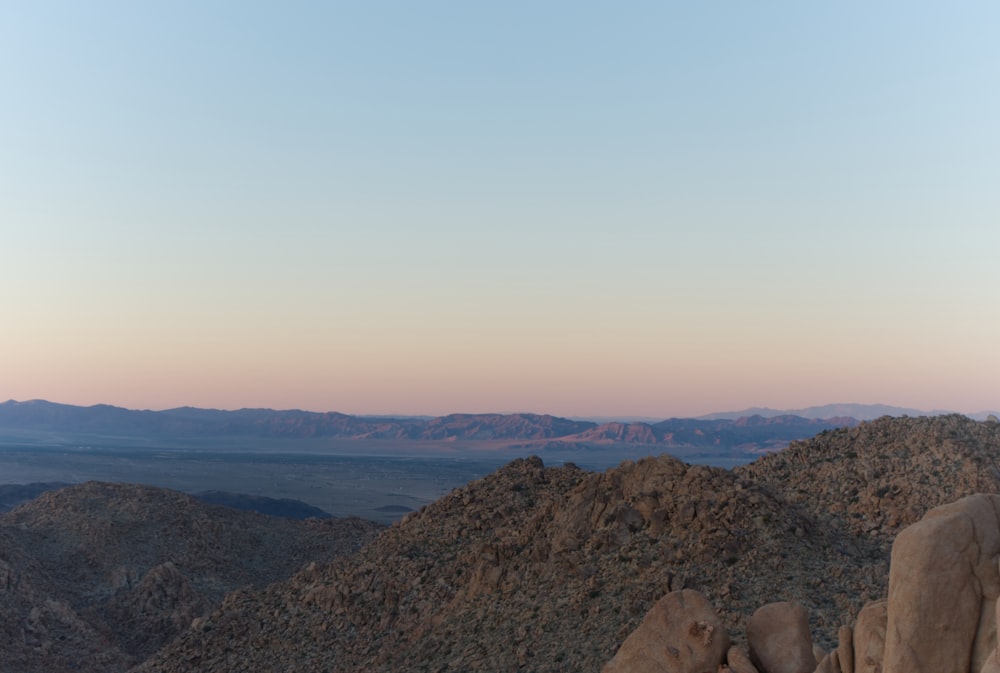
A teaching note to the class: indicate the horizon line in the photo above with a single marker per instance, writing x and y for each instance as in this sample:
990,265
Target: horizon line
632,417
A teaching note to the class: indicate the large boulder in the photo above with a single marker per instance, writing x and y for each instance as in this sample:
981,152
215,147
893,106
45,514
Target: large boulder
779,639
682,633
943,587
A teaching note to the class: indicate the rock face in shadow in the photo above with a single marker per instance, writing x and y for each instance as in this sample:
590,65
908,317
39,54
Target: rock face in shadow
96,577
160,606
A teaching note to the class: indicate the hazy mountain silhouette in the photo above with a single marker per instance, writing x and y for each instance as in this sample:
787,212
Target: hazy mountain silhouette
25,420
861,412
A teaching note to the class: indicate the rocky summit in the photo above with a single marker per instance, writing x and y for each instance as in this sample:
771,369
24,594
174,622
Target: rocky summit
778,565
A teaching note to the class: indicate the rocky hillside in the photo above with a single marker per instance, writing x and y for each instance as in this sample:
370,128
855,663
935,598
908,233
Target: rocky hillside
96,577
549,569
534,568
874,479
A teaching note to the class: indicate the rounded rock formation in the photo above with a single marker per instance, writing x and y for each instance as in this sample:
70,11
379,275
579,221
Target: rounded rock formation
779,639
681,634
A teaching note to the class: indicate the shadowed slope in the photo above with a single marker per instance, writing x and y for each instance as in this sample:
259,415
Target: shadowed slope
101,575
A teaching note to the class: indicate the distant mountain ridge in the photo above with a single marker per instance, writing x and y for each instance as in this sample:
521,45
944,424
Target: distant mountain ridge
861,412
269,423
733,436
40,416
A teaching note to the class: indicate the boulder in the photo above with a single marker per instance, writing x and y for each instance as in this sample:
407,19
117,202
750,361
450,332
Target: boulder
739,661
682,633
830,663
943,587
779,639
818,652
845,649
869,637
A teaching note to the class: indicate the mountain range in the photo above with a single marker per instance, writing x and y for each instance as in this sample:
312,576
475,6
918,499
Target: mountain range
40,421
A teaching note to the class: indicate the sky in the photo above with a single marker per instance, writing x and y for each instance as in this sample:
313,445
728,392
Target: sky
578,208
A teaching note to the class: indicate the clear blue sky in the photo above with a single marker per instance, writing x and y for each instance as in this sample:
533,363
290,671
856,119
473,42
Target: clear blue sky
577,208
